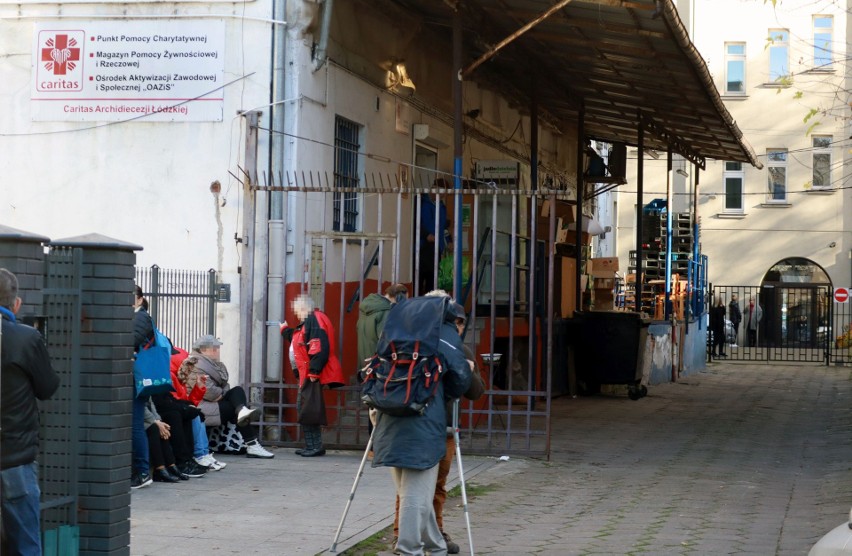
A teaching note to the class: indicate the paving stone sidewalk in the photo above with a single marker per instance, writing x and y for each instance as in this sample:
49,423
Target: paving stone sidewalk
739,459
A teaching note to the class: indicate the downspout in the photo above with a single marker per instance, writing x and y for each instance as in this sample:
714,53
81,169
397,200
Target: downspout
278,201
321,53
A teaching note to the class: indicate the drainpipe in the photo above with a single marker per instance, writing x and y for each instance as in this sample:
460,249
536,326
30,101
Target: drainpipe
278,201
458,152
322,45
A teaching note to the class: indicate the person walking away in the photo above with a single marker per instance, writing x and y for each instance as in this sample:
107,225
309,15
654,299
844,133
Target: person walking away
474,392
717,326
752,320
27,376
223,404
413,447
315,352
735,316
371,320
143,332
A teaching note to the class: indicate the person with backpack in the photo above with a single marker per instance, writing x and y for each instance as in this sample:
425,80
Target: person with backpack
410,436
315,353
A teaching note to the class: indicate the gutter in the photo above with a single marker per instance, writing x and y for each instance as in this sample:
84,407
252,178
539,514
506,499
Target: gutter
681,35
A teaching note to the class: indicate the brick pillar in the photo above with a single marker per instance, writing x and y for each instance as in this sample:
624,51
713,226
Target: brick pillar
22,253
106,392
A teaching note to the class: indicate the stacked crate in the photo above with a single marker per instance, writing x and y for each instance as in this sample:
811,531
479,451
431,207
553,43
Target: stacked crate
655,242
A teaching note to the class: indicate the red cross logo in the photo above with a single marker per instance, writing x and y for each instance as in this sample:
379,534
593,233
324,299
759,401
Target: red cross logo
60,54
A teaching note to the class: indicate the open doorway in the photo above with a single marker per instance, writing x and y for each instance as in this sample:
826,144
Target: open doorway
795,297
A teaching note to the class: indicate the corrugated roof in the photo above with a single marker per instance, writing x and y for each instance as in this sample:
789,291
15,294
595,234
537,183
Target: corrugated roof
617,58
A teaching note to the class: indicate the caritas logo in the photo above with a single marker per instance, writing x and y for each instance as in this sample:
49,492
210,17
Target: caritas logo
60,65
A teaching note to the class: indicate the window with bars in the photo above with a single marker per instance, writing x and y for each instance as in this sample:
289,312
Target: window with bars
346,163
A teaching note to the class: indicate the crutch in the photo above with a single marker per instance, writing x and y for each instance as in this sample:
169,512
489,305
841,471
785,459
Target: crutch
461,473
333,548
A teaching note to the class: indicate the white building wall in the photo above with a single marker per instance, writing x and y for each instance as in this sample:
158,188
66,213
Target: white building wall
742,247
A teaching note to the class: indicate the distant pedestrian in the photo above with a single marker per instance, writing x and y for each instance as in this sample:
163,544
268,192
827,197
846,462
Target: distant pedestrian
717,327
27,375
736,317
752,318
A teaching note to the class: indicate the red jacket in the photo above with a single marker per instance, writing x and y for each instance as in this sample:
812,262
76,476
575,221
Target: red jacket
180,392
315,350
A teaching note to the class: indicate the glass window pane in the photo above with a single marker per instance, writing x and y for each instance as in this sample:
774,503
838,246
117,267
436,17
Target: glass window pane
736,76
734,193
822,141
822,49
823,22
777,156
736,49
777,183
733,166
777,62
822,170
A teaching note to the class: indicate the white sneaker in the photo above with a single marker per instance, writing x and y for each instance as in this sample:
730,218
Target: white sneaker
255,450
217,465
246,414
208,461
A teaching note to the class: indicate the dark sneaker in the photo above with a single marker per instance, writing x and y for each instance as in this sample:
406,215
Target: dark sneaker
452,548
192,469
175,472
163,476
139,480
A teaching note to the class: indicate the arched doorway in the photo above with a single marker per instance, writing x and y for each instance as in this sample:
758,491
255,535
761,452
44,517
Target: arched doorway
795,297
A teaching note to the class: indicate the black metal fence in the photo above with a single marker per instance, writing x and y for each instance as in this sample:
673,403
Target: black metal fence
181,302
60,417
777,322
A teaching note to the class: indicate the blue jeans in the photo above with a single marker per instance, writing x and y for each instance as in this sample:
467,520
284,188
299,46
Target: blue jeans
139,438
21,509
199,436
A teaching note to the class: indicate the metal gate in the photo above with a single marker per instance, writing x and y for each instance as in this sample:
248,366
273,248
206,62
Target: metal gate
60,425
779,322
508,294
182,303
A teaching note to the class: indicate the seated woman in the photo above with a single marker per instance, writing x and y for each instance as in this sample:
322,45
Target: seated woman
160,452
223,404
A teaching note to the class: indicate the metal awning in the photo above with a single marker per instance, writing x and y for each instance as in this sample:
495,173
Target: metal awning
628,63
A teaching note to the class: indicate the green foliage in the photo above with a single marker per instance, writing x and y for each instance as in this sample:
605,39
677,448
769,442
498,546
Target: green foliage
811,128
797,95
811,113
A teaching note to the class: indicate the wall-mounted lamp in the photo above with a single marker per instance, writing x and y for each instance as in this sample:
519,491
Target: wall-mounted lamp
653,154
681,172
398,77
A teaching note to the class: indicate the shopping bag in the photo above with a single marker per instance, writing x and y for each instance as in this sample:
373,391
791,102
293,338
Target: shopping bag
311,404
151,373
445,271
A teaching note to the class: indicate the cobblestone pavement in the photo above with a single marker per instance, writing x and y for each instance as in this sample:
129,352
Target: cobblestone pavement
739,459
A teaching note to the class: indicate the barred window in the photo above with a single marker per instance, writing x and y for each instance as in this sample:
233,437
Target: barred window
346,163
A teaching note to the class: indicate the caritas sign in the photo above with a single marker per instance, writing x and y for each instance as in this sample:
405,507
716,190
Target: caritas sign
841,295
128,70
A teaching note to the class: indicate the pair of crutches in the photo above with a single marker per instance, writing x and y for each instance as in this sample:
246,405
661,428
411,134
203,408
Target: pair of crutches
360,472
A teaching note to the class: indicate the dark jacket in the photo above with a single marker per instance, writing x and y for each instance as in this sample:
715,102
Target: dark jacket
474,392
143,329
734,312
373,312
419,442
26,375
717,319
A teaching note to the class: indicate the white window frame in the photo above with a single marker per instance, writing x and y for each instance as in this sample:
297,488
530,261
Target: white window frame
735,58
829,51
776,43
734,173
776,164
819,150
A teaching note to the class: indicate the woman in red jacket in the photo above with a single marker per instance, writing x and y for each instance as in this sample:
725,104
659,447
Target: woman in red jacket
315,353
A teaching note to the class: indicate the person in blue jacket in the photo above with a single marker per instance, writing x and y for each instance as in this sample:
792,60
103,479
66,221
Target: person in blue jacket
430,239
413,446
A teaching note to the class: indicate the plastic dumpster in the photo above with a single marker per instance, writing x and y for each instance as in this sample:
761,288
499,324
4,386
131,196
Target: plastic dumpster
610,351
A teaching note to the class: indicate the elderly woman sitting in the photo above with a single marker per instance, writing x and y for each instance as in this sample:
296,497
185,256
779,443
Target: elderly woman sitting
221,403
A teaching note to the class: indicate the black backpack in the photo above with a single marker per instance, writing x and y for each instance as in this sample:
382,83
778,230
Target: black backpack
403,376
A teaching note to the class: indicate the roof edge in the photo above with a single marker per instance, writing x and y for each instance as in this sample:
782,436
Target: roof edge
681,35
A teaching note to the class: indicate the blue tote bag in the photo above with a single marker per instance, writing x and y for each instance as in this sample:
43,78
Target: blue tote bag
151,374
